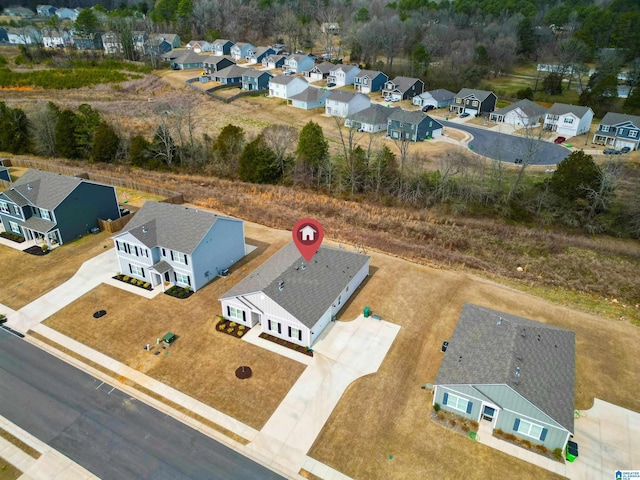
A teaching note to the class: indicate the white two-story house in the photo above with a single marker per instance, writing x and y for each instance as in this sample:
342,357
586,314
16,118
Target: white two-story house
165,243
343,75
286,86
568,120
342,104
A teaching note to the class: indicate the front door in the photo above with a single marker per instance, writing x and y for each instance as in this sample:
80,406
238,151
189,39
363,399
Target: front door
488,413
166,277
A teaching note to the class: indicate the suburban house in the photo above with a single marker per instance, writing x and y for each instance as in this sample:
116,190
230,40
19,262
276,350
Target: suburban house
284,86
514,373
27,35
618,130
18,11
111,43
273,61
373,119
568,120
45,10
187,60
256,55
310,98
54,38
318,72
412,125
140,38
172,38
403,88
368,81
523,113
167,243
4,36
4,172
215,63
221,47
298,62
240,50
255,79
342,104
474,102
293,299
440,98
65,13
56,208
158,44
199,46
88,42
229,75
343,75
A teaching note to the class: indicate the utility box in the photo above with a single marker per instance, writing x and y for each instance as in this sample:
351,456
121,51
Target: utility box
367,312
572,451
169,338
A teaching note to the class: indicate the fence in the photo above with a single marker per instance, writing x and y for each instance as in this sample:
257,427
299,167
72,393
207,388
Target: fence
169,196
193,83
113,226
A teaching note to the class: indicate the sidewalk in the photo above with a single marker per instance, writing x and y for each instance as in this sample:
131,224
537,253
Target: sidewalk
51,465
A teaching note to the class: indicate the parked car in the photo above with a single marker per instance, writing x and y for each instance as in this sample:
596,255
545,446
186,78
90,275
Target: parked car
611,151
624,150
559,140
428,108
464,115
331,84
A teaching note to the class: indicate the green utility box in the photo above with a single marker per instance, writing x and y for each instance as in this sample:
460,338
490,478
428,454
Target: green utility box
169,338
572,451
367,312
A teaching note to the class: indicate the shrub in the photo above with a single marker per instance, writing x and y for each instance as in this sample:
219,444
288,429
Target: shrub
499,432
541,449
436,407
232,324
452,422
509,436
221,326
242,327
441,415
526,443
125,278
230,330
557,454
474,425
240,333
465,427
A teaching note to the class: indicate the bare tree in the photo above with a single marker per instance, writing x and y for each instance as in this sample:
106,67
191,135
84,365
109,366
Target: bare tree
601,197
281,139
42,124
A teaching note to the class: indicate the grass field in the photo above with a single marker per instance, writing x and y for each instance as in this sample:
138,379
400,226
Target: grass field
8,471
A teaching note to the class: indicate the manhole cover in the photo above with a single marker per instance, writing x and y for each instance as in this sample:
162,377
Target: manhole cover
243,372
99,314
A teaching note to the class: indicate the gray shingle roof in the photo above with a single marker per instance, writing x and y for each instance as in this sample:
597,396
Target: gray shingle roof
324,67
39,224
176,227
612,118
441,94
190,57
370,73
221,41
232,71
484,350
342,96
530,109
344,68
45,189
563,108
252,72
410,116
308,292
479,94
283,79
375,114
403,84
311,94
215,59
275,58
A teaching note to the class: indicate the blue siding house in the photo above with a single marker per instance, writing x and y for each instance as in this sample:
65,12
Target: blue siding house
412,125
4,172
619,130
222,46
255,79
231,75
310,98
175,244
240,50
55,208
368,81
514,373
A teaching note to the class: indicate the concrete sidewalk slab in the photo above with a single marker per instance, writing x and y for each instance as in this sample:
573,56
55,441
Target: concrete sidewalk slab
253,337
132,289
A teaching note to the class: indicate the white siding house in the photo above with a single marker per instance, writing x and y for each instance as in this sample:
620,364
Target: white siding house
285,86
343,75
523,113
293,299
342,104
568,120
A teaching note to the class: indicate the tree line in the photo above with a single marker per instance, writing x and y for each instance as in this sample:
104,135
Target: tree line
578,194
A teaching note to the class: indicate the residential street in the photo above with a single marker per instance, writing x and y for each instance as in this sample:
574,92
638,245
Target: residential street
507,148
109,433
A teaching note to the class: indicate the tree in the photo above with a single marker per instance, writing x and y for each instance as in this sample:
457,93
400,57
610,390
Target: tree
280,139
601,96
632,103
86,25
526,38
163,147
362,15
525,93
14,130
382,170
105,143
258,163
312,151
86,123
43,129
552,84
139,151
227,150
574,176
66,143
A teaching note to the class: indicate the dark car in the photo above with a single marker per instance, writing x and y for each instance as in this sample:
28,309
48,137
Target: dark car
331,84
464,115
611,151
559,140
624,150
428,108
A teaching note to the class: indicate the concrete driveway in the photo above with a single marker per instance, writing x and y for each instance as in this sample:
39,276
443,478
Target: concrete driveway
506,148
608,438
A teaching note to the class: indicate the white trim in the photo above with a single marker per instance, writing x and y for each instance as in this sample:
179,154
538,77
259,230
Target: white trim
458,398
531,426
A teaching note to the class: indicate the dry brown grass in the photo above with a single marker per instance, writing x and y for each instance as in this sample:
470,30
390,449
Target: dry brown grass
389,411
32,452
8,471
202,362
26,277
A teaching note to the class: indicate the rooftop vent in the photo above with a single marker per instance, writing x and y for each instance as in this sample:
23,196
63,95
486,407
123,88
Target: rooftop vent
144,229
303,266
281,285
29,187
523,333
499,322
517,372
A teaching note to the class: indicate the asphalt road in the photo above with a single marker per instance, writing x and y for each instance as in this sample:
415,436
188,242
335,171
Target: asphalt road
103,429
506,148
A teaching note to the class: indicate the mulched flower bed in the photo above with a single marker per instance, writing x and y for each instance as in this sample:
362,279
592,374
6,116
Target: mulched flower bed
285,343
179,292
37,250
133,281
231,328
534,447
12,236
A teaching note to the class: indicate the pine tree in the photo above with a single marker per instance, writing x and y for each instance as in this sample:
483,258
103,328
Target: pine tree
105,143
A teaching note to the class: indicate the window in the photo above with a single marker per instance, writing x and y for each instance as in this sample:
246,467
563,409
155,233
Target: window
4,207
568,120
365,81
474,103
182,278
295,333
44,214
235,313
457,403
15,228
180,258
530,429
633,133
604,128
136,270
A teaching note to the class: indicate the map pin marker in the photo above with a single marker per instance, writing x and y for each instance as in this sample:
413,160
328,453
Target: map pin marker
307,235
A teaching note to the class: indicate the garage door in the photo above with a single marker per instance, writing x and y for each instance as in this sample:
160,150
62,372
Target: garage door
622,144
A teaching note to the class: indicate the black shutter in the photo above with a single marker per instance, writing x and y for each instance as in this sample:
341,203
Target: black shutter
164,252
228,310
189,280
279,328
289,332
244,317
186,262
171,252
269,324
142,270
300,335
130,269
175,277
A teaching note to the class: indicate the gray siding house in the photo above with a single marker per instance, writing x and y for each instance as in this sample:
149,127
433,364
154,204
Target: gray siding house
215,63
4,172
439,98
474,102
515,373
403,88
187,61
56,208
293,299
166,243
522,113
413,125
373,119
618,130
231,75
310,98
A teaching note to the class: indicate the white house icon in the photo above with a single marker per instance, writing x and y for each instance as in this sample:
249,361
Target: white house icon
308,233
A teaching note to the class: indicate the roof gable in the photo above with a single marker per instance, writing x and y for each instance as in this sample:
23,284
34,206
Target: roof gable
45,189
480,95
621,120
563,109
